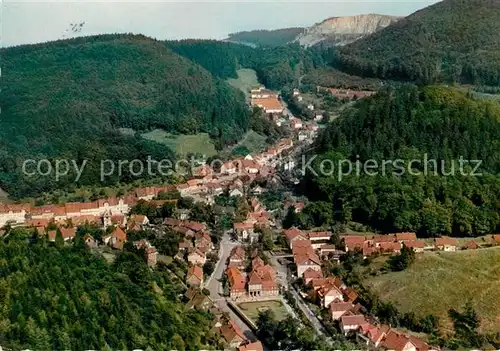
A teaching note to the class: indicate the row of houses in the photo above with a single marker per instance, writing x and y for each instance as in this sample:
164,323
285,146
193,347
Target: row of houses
230,334
393,243
195,245
101,210
116,238
212,180
331,293
257,217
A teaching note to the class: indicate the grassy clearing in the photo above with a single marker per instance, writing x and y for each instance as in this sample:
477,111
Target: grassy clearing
439,281
252,309
3,196
253,141
183,144
247,79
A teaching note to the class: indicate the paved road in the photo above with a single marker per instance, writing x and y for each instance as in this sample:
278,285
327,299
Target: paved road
310,315
214,285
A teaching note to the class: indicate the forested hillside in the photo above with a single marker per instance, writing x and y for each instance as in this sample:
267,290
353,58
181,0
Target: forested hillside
68,99
451,41
275,67
410,124
277,37
69,299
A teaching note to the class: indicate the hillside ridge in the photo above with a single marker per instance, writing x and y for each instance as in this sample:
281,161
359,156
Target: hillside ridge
342,30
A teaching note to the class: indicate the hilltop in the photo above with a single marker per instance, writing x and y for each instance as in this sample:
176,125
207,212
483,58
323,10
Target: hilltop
451,41
401,125
336,31
276,37
70,98
437,282
332,31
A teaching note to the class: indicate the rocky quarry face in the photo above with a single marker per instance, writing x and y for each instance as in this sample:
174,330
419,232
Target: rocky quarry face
344,30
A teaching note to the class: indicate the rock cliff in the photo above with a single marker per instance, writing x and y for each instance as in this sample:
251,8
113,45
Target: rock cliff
344,30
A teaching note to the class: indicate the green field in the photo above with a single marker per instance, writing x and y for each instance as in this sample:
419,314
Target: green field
184,144
437,282
252,309
247,80
3,196
253,141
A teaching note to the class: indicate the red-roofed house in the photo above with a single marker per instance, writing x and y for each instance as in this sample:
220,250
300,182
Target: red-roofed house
116,239
393,247
339,308
194,276
353,242
311,274
194,226
445,243
237,258
243,230
262,280
232,334
328,293
236,282
197,257
352,323
305,258
471,245
67,234
294,234
402,237
398,342
373,334
255,346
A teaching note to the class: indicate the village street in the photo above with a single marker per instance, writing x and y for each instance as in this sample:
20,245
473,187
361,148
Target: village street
214,285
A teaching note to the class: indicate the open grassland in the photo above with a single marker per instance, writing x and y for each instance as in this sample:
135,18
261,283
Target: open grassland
3,196
252,309
247,80
253,141
183,144
437,282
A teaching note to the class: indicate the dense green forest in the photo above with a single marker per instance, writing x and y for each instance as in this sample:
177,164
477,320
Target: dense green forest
330,77
407,124
451,41
68,99
277,37
275,67
62,298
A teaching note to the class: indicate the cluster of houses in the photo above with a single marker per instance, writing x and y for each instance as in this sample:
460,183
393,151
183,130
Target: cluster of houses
331,293
308,249
270,103
107,212
196,241
340,300
210,181
222,325
393,243
258,283
257,217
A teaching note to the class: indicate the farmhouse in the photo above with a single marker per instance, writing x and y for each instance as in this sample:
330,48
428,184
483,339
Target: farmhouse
445,243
